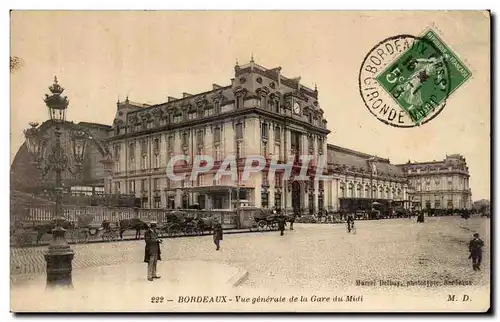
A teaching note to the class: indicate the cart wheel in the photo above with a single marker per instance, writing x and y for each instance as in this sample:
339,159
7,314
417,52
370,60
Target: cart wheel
173,230
261,225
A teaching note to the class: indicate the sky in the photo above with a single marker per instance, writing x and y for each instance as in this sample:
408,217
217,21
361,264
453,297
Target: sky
100,57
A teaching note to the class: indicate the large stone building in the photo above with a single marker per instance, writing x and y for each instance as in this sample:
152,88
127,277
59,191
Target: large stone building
360,179
440,184
261,112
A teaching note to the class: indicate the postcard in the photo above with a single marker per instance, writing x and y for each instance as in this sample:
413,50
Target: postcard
250,161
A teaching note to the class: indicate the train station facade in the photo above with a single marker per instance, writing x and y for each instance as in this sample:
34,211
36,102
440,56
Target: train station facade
260,113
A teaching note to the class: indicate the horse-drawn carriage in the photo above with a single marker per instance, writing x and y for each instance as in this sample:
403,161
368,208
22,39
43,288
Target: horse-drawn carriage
265,220
83,230
181,223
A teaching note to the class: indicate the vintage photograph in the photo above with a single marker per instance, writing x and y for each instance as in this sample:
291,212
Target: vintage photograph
250,161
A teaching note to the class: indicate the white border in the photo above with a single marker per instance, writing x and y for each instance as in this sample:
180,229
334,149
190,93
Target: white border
189,5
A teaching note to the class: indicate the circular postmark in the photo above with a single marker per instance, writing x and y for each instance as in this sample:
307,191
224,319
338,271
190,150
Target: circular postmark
404,81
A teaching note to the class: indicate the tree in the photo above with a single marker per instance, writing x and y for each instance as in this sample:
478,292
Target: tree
15,63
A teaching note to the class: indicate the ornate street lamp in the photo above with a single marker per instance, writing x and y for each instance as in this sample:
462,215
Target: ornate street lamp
59,255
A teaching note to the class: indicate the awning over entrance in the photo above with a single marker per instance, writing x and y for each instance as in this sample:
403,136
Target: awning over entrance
213,189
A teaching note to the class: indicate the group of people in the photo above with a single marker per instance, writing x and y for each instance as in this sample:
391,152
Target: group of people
152,252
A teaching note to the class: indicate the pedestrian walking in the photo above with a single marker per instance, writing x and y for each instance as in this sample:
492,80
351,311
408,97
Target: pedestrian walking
350,223
281,224
217,234
292,220
476,251
152,252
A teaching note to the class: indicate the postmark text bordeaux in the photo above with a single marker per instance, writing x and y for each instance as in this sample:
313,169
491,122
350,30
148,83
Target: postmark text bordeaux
405,81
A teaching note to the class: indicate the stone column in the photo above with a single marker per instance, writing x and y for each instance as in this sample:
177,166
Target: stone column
316,193
305,197
230,199
178,198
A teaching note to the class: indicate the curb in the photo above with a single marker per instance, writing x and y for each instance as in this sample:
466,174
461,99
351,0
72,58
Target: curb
238,278
97,241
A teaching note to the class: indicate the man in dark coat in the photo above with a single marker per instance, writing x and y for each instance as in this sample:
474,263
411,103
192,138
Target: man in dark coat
476,251
218,235
281,223
350,222
292,220
152,252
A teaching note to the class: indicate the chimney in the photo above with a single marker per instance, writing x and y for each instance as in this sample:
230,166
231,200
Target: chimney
215,86
170,99
184,95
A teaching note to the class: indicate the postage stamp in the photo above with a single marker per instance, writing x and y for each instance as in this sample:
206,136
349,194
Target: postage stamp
411,78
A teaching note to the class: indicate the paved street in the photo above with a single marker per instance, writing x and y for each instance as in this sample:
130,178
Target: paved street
312,256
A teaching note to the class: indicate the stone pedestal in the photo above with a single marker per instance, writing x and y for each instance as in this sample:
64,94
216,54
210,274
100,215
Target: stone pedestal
59,259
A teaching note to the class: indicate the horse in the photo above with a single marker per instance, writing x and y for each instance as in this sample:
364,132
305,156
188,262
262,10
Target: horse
46,228
134,224
205,224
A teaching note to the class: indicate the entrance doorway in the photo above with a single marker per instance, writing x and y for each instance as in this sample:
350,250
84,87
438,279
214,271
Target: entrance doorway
296,197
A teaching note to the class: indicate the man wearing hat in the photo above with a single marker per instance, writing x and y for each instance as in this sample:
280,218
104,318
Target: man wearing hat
152,252
476,251
218,234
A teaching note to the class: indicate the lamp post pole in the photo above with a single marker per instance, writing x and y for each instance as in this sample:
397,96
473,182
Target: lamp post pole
59,255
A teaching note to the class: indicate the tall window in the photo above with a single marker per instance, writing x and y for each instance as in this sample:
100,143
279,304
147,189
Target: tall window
199,137
264,131
217,155
131,154
177,117
277,134
117,158
263,101
217,135
156,145
117,188
320,145
192,115
144,186
163,121
156,184
239,131
157,202
170,143
185,139
132,187
278,180
277,150
157,160
265,181
264,149
216,107
239,101
310,141
239,146
265,199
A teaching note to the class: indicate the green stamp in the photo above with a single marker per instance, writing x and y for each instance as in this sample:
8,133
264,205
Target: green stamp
423,77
